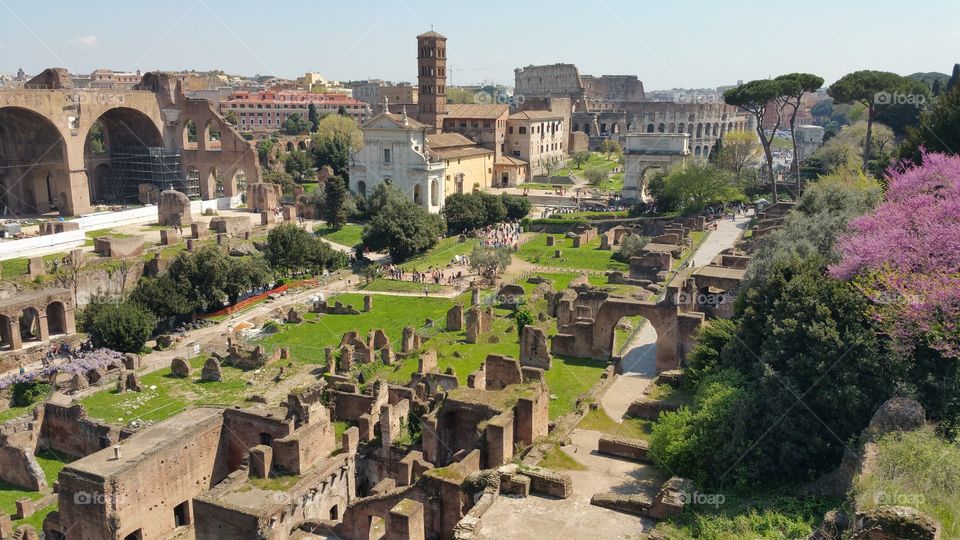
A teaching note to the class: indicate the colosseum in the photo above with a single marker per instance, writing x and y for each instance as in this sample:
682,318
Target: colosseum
611,106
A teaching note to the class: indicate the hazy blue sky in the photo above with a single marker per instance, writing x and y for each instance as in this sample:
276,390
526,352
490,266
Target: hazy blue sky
666,43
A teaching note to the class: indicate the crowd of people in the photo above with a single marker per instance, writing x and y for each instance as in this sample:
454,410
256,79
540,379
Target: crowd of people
62,351
436,276
505,234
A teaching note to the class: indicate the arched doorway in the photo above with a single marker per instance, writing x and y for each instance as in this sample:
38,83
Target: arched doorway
289,146
33,164
302,145
30,325
239,184
7,329
416,194
56,318
362,188
434,193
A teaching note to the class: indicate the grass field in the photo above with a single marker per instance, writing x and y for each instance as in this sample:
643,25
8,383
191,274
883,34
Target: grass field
596,160
440,255
165,395
350,235
391,313
51,463
598,420
588,257
557,459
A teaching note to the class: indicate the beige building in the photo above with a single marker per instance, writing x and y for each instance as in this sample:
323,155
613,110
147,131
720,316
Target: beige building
536,137
467,167
484,123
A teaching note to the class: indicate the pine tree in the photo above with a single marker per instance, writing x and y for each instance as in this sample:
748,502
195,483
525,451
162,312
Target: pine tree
939,130
335,207
954,78
314,117
714,157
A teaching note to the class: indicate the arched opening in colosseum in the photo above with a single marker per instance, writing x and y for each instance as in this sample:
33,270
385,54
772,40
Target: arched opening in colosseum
681,128
111,147
33,163
56,318
696,151
730,126
190,135
700,130
661,127
603,128
212,136
716,129
616,129
650,128
690,130
672,128
30,325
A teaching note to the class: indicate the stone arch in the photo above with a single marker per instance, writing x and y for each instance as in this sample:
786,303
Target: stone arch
56,318
125,126
99,185
190,135
661,127
729,126
690,130
696,151
700,130
32,150
212,136
586,128
302,145
681,128
576,126
7,327
616,129
716,129
30,327
650,128
289,146
603,128
213,179
362,188
672,128
237,185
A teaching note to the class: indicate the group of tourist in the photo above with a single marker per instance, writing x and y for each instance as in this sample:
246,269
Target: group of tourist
435,276
505,234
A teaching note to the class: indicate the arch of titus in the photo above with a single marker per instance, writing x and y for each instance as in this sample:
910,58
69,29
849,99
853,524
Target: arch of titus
49,162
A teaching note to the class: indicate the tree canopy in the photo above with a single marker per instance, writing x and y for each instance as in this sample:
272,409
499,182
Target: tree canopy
295,125
403,228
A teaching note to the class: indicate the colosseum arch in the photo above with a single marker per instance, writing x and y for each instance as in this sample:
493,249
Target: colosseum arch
716,129
34,173
661,127
700,130
672,128
651,128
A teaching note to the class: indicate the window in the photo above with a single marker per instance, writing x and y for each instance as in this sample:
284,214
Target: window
181,514
475,124
516,153
463,123
523,130
510,130
386,155
486,124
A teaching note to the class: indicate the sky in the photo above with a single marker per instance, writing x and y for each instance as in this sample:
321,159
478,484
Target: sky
667,44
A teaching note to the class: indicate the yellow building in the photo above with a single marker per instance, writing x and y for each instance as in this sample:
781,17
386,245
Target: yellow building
467,166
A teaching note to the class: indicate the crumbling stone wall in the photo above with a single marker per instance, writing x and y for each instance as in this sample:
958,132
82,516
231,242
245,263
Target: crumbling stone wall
68,430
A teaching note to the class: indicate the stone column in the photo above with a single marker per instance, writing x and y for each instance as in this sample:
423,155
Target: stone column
42,324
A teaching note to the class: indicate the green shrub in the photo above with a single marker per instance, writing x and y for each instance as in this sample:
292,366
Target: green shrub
28,393
695,441
121,326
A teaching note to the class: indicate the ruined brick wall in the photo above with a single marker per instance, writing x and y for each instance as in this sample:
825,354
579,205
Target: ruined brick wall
351,406
214,521
502,371
68,430
143,492
20,468
307,446
532,417
245,429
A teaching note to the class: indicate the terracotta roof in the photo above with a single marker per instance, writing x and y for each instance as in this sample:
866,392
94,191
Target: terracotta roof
447,140
488,111
462,152
432,34
507,160
535,115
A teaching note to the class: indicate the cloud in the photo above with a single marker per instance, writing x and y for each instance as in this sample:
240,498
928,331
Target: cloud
84,42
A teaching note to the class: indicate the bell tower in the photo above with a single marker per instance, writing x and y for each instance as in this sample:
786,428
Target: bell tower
432,78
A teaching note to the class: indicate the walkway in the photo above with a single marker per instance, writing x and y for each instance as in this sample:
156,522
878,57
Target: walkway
639,362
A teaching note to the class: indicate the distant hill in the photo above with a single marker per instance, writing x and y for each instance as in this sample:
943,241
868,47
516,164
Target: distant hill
930,77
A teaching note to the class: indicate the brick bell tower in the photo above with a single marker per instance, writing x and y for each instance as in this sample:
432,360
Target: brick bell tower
432,78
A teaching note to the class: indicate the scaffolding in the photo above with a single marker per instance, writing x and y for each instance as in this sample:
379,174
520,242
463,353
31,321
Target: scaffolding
131,166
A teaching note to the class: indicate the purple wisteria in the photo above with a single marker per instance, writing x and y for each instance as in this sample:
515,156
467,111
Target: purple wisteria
81,363
905,255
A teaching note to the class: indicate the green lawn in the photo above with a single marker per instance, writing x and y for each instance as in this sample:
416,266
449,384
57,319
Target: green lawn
567,378
350,235
588,257
558,460
392,285
51,463
391,313
164,395
15,268
596,160
599,420
613,183
441,254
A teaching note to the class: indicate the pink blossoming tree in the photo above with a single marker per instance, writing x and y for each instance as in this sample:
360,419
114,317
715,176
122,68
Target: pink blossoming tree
905,255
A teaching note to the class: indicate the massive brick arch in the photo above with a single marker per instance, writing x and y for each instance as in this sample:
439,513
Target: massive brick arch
594,337
34,170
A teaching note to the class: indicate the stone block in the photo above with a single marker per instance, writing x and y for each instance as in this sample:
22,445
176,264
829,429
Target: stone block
180,368
350,439
455,318
261,460
546,482
173,208
36,267
624,447
406,521
169,237
197,231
